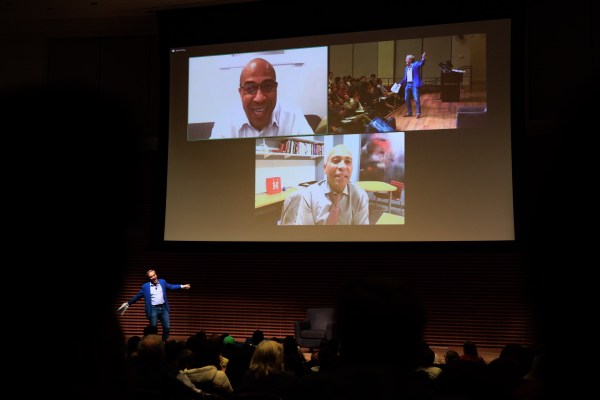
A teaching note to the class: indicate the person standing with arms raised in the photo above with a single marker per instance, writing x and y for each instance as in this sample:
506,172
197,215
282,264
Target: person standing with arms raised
413,82
154,293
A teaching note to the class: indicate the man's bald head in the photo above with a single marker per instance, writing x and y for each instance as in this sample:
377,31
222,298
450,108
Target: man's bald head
257,66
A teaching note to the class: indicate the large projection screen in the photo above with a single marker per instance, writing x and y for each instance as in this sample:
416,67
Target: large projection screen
457,181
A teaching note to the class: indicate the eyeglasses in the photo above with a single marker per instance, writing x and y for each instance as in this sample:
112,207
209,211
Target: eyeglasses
266,87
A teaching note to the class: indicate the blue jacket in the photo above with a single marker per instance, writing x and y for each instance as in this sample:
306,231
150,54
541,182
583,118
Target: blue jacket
417,66
145,293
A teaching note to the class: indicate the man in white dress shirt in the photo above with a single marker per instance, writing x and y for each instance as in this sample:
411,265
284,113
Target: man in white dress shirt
262,114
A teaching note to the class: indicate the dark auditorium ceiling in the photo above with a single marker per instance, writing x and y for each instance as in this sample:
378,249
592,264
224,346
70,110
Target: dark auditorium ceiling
64,16
67,9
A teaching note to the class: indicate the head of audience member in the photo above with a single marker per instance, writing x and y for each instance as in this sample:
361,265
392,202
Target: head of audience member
427,356
338,167
201,335
150,330
132,346
172,349
208,353
327,357
258,91
257,337
290,345
151,349
267,359
229,340
185,359
451,357
470,349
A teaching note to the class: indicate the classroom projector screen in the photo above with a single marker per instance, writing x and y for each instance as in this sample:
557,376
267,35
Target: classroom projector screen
260,132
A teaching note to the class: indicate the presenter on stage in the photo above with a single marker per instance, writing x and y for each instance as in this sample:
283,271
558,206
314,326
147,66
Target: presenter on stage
154,293
413,81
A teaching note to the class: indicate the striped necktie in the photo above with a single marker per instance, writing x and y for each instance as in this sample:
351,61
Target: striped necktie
334,212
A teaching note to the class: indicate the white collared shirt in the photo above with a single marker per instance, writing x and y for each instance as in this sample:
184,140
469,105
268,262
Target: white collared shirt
285,121
409,76
156,294
315,205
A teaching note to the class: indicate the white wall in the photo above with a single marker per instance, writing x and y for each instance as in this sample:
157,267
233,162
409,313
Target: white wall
340,59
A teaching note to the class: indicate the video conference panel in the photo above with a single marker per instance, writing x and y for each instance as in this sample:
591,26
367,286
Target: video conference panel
265,137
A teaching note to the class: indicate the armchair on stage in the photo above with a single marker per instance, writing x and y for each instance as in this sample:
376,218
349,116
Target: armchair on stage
471,117
318,325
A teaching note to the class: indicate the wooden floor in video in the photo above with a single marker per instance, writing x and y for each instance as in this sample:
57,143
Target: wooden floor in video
435,113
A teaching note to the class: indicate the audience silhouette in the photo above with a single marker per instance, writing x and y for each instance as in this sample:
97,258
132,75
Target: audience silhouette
73,195
365,370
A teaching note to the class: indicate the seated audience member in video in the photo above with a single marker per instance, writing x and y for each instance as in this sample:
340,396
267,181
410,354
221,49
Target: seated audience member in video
332,201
